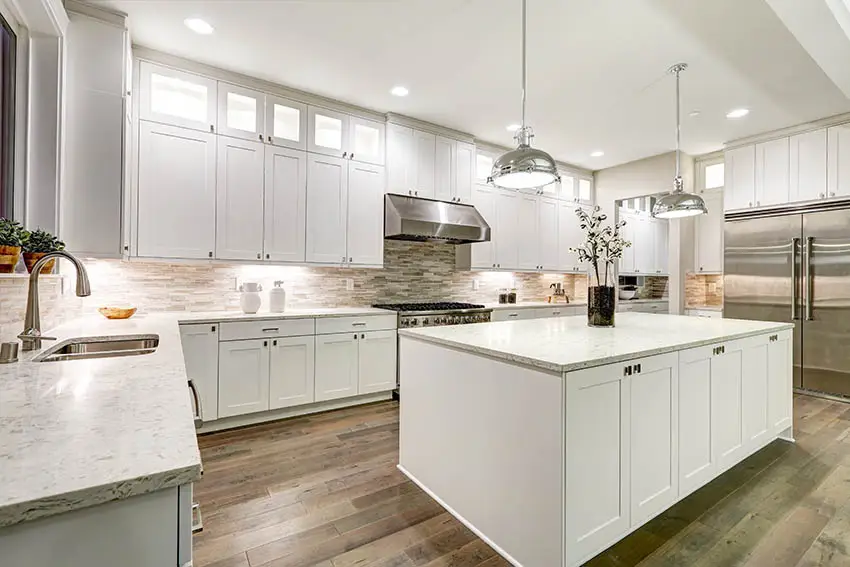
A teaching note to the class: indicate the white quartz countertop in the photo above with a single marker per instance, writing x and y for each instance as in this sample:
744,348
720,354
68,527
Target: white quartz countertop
533,304
301,313
79,433
565,344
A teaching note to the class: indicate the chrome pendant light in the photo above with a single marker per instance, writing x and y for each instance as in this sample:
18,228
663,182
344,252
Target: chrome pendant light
524,167
678,204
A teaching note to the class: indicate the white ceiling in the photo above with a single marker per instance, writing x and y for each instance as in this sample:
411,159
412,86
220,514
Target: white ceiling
596,67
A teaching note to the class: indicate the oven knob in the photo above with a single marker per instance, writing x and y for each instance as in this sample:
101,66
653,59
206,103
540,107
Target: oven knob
414,322
438,320
424,321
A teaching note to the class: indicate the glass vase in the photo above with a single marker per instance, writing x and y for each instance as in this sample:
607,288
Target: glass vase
601,301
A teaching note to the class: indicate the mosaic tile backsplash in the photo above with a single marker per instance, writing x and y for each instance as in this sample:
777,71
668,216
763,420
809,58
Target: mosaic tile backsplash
413,271
703,290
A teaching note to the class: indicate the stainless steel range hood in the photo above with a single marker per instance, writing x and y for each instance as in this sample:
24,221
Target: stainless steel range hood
412,218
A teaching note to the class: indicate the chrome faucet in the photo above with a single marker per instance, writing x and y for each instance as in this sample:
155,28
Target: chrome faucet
31,337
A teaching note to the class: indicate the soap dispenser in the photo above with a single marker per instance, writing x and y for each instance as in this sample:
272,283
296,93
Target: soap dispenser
277,298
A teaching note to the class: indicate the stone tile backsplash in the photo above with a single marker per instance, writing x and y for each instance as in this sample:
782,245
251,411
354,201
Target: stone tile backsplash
703,290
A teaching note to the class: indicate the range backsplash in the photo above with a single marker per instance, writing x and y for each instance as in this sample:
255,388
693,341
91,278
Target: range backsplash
703,290
413,271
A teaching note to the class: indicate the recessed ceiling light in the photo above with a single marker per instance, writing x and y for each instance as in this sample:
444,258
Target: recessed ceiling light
513,127
399,91
198,25
597,153
737,113
694,113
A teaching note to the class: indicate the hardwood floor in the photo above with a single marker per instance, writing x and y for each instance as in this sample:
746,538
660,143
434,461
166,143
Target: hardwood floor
323,490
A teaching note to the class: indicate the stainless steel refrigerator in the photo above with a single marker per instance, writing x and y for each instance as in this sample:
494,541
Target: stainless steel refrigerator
795,266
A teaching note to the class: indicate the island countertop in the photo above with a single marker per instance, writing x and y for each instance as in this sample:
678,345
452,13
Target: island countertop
566,344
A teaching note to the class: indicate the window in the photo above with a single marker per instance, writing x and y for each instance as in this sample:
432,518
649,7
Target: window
8,58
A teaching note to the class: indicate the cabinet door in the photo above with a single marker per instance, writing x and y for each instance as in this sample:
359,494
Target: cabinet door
772,173
366,142
464,172
291,371
709,235
327,132
365,202
443,169
177,98
653,435
286,123
425,148
239,200
727,434
377,363
176,201
754,393
838,161
400,159
780,386
597,460
628,233
808,166
696,457
585,191
285,205
569,188
570,235
336,366
547,233
660,229
200,354
327,209
507,221
644,246
527,243
740,185
243,377
241,112
482,254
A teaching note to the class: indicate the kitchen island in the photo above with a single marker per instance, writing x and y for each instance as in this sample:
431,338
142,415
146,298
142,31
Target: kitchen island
552,440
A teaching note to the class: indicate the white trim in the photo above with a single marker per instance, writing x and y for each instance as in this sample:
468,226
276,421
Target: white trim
99,13
790,131
435,129
19,184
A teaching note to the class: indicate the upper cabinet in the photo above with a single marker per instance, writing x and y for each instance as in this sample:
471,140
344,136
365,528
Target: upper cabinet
424,164
366,140
286,123
241,112
174,97
650,243
327,132
578,189
808,166
740,185
400,159
838,161
464,171
708,242
772,173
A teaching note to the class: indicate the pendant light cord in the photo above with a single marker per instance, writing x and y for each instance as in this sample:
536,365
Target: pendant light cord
678,121
524,80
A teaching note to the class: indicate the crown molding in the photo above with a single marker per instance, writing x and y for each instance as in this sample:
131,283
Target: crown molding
436,129
100,13
789,131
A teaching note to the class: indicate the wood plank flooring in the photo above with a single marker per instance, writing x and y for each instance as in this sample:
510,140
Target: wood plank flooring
323,491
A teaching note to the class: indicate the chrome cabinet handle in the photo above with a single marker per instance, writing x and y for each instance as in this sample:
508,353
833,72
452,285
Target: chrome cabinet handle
199,525
261,137
358,324
795,243
808,275
362,336
271,329
198,412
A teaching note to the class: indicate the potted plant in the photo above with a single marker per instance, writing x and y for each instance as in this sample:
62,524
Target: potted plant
603,245
38,243
11,236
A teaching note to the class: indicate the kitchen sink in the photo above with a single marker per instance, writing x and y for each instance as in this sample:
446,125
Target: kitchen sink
100,347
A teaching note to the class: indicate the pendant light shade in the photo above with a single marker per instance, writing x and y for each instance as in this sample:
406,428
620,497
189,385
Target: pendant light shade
678,204
524,167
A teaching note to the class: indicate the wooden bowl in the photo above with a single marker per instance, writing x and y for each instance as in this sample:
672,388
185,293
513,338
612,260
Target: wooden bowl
117,312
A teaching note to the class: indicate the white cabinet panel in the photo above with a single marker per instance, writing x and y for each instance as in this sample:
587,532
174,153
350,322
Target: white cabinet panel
177,98
366,143
547,233
780,381
661,240
628,233
570,235
727,434
483,254
291,371
507,225
585,191
444,168
401,159
376,361
568,189
239,199
754,393
808,166
241,112
200,354
285,205
838,161
365,240
772,173
526,241
740,185
327,132
424,158
177,195
327,209
336,366
696,458
243,377
286,123
464,171
708,255
643,245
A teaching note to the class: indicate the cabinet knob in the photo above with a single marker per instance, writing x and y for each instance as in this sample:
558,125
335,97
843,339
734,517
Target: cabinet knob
758,203
267,256
821,195
259,256
270,139
350,259
210,254
344,154
416,193
362,336
355,336
274,342
351,156
832,193
750,204
265,343
261,137
213,328
212,128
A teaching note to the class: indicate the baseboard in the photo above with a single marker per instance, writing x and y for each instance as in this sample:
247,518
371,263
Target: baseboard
460,518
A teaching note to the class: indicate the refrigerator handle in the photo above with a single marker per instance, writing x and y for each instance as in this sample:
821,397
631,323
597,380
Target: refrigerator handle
808,275
795,243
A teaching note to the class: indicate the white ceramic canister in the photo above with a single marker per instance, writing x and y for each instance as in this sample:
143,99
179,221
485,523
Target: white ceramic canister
250,300
277,298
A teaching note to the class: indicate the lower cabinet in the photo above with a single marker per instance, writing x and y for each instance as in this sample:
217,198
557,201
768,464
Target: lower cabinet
243,377
291,371
376,362
349,364
200,355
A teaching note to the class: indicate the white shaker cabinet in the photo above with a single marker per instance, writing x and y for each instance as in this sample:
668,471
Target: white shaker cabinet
808,166
507,224
376,361
838,161
327,132
176,192
241,112
526,241
200,354
327,209
444,160
239,199
285,204
772,173
464,172
629,233
547,233
336,366
570,235
708,253
483,254
661,241
697,464
400,159
286,123
243,377
754,393
291,371
727,434
780,375
366,140
365,239
424,158
740,184
178,98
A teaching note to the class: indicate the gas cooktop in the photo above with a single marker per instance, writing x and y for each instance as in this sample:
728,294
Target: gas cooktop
434,306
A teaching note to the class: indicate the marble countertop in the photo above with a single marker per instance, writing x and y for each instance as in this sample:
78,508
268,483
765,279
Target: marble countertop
301,313
75,434
659,300
704,307
565,344
532,304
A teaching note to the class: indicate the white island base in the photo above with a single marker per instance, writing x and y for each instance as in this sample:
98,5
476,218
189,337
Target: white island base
552,441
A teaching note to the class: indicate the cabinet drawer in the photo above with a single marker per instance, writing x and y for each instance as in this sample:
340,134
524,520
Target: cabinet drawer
238,330
562,311
331,325
514,314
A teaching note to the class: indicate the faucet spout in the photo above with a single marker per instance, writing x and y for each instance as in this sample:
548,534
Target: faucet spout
31,337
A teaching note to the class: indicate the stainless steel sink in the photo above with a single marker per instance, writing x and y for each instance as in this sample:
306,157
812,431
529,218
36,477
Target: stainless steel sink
100,347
